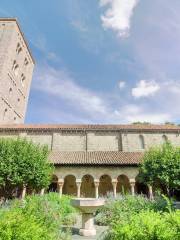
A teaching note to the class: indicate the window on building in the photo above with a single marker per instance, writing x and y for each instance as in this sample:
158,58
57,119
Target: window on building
15,68
10,91
18,101
141,141
14,64
164,138
26,62
5,113
23,78
18,48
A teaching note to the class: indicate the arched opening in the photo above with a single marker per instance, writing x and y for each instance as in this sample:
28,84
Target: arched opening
87,186
141,188
105,185
123,185
141,142
53,187
69,186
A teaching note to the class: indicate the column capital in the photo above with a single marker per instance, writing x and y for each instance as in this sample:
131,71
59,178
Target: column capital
78,181
114,181
96,182
60,181
132,181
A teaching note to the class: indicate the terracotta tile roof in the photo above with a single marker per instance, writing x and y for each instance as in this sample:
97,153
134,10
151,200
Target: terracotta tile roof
96,158
52,127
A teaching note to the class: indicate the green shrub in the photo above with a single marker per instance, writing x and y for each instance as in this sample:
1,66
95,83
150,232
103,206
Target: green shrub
46,214
14,225
51,208
148,225
124,206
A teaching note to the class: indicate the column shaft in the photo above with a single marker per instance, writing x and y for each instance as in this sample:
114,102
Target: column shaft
150,192
132,185
23,194
96,183
42,191
78,183
60,184
114,183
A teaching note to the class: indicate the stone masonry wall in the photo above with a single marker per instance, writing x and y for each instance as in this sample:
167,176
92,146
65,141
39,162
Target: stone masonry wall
95,140
69,142
14,91
103,141
131,143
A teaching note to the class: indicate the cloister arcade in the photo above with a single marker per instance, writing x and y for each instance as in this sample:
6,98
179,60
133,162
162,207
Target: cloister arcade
98,183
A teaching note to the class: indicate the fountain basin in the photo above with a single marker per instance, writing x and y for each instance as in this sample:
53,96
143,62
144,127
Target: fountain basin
87,206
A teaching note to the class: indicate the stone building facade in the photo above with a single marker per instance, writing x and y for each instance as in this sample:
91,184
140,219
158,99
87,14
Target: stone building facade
89,160
16,68
93,160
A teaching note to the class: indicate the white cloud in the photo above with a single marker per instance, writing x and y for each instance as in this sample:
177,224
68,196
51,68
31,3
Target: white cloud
172,86
122,84
133,113
60,84
118,16
69,101
145,88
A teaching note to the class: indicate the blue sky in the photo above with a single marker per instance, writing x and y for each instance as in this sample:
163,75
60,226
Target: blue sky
102,61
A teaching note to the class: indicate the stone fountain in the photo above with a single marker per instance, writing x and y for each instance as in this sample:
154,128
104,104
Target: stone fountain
87,206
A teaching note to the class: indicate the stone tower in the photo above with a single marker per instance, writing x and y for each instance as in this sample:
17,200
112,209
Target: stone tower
16,68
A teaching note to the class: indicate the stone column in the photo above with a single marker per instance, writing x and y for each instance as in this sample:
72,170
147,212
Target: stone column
114,183
23,194
150,192
132,182
60,184
78,183
42,191
96,183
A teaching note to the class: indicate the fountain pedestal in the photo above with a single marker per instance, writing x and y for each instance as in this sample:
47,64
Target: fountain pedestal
87,206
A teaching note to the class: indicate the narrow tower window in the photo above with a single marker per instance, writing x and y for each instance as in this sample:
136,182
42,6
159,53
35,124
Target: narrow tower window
23,79
5,113
26,62
18,49
141,141
10,91
15,68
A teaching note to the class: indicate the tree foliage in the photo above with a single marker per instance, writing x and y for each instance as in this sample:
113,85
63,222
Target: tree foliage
162,165
23,163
